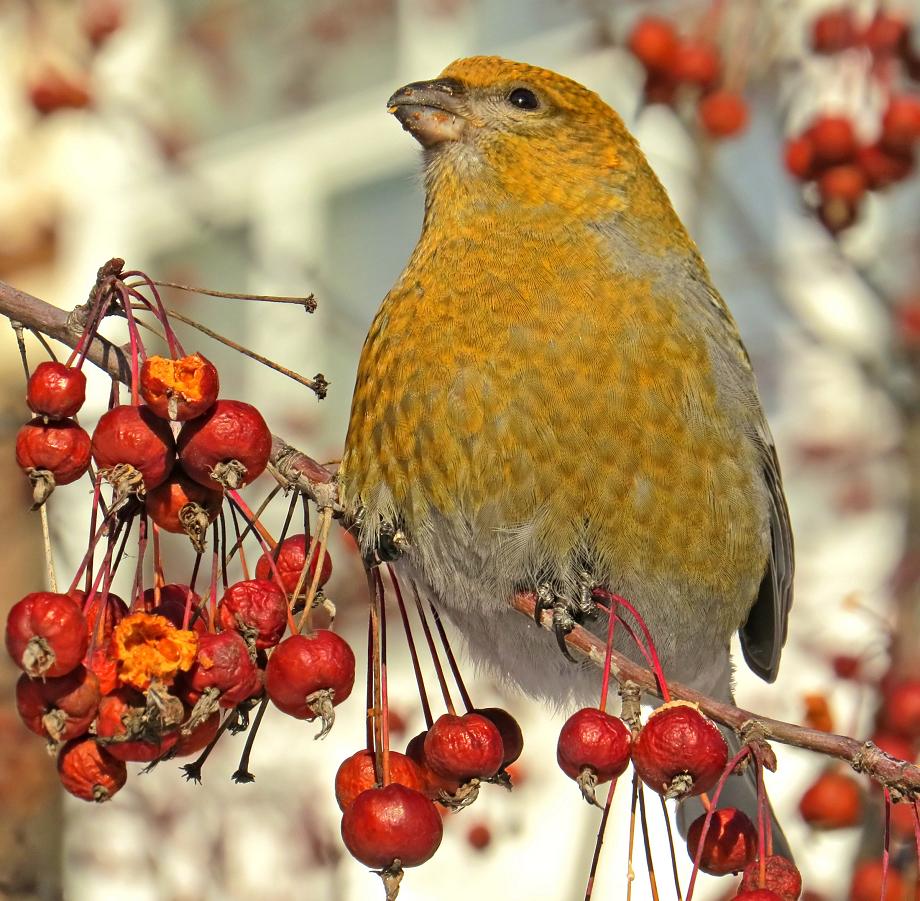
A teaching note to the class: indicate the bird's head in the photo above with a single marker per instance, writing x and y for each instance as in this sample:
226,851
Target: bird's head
527,133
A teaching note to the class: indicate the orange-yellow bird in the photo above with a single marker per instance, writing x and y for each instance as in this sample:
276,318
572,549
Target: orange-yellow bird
554,396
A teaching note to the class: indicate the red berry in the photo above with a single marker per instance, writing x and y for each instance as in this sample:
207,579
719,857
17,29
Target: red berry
594,740
697,63
758,894
833,139
136,438
901,123
173,601
359,773
229,444
833,31
653,42
886,34
781,876
103,662
55,390
46,634
222,664
51,90
834,801
679,752
291,558
59,447
902,708
799,157
479,836
867,883
435,785
179,389
61,708
89,772
464,747
846,183
882,167
846,666
182,505
659,87
255,608
198,738
101,617
510,731
723,113
730,843
383,825
307,675
126,732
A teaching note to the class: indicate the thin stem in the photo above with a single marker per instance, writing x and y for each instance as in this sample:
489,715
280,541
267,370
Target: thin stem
667,825
242,773
376,588
49,554
384,699
630,872
21,344
317,386
369,691
605,679
598,844
255,518
451,660
308,303
439,671
322,536
413,651
650,864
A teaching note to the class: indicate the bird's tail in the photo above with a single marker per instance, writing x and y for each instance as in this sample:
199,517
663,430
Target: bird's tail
739,791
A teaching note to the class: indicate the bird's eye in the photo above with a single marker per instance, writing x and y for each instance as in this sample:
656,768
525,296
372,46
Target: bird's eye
522,98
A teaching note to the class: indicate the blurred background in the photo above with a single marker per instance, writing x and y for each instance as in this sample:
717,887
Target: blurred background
245,146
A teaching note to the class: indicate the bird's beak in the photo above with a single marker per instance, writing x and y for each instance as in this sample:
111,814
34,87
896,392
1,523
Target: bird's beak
431,111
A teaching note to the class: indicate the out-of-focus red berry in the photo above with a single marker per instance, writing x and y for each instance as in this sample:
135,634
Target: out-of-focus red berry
723,113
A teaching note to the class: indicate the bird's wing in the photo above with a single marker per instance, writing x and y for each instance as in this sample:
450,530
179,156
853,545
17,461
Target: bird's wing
764,633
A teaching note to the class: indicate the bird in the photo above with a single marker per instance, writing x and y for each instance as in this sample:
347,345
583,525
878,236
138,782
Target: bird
554,396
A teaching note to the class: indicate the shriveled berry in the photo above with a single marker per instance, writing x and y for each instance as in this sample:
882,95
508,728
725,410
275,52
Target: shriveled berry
834,801
653,42
173,599
730,843
358,773
89,772
125,730
435,786
723,113
46,634
223,665
131,442
198,738
464,747
60,708
52,453
510,731
781,876
291,558
56,390
308,675
102,614
593,748
383,825
255,608
758,894
679,752
181,504
229,444
180,389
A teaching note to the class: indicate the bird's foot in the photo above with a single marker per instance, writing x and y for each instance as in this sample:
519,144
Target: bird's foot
566,613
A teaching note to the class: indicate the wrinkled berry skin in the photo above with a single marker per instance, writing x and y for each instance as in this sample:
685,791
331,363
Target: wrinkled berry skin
291,557
392,823
594,739
55,390
304,664
61,447
136,437
223,662
464,747
89,772
255,608
678,740
60,708
46,634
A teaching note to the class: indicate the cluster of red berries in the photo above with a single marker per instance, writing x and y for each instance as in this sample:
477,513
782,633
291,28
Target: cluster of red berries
678,753
678,66
829,155
108,682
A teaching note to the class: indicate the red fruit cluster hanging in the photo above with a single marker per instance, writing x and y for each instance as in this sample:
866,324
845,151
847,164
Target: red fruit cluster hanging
164,675
680,67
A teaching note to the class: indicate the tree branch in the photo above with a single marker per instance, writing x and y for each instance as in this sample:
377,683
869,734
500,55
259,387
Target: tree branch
292,467
901,777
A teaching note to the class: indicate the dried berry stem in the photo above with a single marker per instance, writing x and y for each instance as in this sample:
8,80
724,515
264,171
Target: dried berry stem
435,659
46,544
308,303
451,660
678,894
650,864
599,841
375,587
630,872
242,773
413,651
322,537
384,698
240,537
175,347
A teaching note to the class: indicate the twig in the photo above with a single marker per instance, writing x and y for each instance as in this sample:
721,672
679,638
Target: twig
308,302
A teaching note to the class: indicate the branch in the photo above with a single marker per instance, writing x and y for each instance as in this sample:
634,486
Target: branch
901,777
290,466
